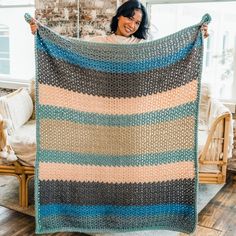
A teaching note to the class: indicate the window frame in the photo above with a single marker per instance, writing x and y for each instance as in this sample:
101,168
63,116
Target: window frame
6,80
5,29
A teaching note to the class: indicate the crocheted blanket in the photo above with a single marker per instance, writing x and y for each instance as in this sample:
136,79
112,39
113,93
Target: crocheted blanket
117,133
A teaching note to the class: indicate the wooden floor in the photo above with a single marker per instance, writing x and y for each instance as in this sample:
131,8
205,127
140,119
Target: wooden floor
218,218
13,223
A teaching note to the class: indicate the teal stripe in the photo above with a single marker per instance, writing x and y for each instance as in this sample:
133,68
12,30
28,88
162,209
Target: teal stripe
107,160
123,211
179,222
57,113
93,49
68,56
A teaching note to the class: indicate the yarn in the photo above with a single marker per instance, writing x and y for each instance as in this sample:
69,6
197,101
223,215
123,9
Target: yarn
117,133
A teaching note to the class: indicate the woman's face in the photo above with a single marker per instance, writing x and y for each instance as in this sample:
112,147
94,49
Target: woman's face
129,25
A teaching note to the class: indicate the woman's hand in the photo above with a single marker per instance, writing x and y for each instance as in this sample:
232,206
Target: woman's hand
204,30
33,26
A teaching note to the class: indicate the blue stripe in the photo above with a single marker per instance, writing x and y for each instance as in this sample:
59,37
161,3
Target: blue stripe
108,160
57,113
114,67
105,210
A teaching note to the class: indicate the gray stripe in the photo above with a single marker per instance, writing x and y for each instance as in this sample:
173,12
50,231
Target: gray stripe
106,51
117,194
56,73
178,222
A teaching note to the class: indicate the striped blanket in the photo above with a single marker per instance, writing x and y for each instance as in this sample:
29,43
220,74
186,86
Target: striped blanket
117,133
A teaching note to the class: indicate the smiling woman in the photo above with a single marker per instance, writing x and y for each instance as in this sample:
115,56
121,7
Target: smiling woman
129,25
130,19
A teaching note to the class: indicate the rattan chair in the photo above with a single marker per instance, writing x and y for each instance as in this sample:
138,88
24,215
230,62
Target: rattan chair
213,158
23,174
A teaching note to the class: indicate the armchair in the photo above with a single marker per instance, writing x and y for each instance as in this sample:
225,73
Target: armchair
18,143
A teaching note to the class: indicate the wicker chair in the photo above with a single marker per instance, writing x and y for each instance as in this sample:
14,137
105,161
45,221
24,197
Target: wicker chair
23,174
213,158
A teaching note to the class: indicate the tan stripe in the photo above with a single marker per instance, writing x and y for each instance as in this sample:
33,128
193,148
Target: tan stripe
89,103
68,136
142,174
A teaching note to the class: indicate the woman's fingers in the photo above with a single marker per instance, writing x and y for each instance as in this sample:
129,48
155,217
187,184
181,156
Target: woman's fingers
33,26
204,29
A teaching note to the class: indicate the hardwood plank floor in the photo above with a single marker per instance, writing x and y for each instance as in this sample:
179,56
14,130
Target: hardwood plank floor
220,213
218,218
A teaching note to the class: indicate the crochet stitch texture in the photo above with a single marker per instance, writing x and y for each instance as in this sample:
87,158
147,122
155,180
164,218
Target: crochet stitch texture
117,133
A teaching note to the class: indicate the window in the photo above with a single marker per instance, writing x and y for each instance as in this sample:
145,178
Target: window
16,42
4,50
219,56
208,52
224,47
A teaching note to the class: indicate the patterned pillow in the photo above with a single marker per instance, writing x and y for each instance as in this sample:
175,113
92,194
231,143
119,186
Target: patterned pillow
17,107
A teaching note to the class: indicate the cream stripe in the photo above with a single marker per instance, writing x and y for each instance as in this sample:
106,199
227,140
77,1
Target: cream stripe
143,174
89,103
68,136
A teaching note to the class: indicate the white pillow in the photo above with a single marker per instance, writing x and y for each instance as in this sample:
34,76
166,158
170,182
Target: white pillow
205,102
17,107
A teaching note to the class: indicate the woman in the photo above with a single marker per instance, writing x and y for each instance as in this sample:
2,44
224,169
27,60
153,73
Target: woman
129,25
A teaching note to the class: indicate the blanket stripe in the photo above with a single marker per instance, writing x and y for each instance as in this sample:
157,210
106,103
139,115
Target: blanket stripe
71,210
157,116
122,106
112,221
119,85
117,140
188,36
90,190
111,160
117,133
133,174
115,67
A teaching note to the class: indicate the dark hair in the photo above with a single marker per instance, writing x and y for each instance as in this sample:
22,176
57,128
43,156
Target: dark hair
127,10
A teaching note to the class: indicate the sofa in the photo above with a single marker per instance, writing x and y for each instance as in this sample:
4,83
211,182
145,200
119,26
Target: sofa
18,107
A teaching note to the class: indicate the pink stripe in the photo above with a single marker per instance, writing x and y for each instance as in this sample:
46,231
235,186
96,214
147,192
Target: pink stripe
54,96
107,174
